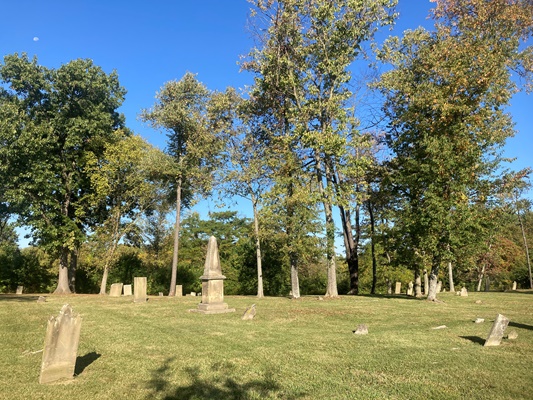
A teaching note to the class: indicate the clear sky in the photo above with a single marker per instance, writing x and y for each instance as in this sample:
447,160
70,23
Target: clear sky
151,42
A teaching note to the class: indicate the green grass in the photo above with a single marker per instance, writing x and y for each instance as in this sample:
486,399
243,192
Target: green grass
293,349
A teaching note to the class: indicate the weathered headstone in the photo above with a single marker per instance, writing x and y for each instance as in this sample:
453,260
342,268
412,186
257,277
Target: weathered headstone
127,290
410,289
426,283
479,320
512,335
116,290
479,302
463,292
139,289
361,329
398,288
249,313
496,331
161,294
212,283
193,294
514,285
61,346
179,290
439,286
41,299
19,289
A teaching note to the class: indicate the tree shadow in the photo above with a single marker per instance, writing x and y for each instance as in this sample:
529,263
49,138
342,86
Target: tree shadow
18,297
222,386
392,296
474,339
521,326
84,361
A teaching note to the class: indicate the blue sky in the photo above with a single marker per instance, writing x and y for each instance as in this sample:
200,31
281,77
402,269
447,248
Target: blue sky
150,43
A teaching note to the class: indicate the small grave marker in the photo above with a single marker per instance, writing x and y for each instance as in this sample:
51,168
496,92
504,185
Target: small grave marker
127,290
398,288
496,331
116,290
249,314
19,289
361,329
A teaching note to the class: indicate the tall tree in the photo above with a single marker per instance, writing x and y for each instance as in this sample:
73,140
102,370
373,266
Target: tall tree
444,102
181,109
53,120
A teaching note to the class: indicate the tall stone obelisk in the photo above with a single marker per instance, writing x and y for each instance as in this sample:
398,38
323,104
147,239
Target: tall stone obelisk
212,283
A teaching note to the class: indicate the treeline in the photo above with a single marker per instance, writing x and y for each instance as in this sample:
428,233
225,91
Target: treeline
415,183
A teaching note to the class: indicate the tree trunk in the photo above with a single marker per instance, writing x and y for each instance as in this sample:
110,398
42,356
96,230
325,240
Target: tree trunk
62,281
172,290
450,277
433,277
258,251
426,283
481,276
373,248
331,290
295,284
103,284
73,264
525,247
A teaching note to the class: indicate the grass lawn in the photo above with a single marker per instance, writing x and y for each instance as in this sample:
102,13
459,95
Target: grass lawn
293,349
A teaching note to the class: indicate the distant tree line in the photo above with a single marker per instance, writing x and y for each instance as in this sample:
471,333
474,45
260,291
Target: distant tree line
403,167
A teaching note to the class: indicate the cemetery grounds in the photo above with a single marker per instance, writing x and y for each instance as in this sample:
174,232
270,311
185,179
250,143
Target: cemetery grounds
292,349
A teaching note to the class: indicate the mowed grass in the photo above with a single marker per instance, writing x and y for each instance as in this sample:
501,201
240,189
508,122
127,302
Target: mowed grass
293,349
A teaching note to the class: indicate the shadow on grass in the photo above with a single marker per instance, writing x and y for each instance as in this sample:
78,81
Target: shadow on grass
221,386
475,339
521,326
84,361
391,296
17,297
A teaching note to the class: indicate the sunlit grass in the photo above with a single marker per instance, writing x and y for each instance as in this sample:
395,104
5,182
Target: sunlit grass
292,349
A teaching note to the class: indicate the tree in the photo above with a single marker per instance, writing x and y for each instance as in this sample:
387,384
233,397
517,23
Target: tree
125,184
181,109
444,101
53,121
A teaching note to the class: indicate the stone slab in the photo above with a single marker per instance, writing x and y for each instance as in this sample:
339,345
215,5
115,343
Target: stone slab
127,290
139,290
116,290
496,331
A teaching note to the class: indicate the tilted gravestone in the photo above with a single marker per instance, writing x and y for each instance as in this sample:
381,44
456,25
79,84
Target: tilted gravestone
139,290
116,290
496,331
398,288
19,289
127,290
249,313
61,346
212,283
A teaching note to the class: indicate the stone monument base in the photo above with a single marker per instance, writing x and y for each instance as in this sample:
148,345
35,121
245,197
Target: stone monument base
212,308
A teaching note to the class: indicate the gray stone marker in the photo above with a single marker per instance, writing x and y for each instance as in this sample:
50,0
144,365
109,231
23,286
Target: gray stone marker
127,290
41,299
116,290
179,290
479,320
61,346
496,331
513,335
161,294
212,283
193,294
463,292
410,289
362,329
249,314
514,285
19,289
139,290
398,288
426,282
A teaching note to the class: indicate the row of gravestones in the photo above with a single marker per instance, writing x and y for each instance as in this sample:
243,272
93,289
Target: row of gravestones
410,291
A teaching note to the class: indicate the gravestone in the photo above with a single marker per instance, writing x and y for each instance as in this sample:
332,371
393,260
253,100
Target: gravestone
179,290
41,299
249,313
193,294
496,331
139,290
161,294
463,292
361,329
426,282
514,285
513,335
410,289
61,346
116,290
439,286
127,290
19,289
212,283
479,320
398,288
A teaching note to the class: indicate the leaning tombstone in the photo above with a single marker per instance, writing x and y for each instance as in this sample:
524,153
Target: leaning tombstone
127,290
398,288
212,283
61,346
19,289
496,331
139,290
463,292
514,285
116,290
249,313
426,283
